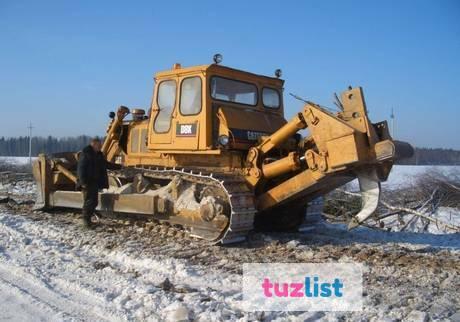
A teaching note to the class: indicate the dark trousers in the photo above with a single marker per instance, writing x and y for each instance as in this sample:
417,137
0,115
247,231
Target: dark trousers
90,201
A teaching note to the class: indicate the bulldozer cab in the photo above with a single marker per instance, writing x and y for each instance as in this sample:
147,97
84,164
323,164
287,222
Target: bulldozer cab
209,107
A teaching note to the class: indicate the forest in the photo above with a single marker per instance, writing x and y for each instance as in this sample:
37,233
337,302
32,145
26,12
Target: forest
19,146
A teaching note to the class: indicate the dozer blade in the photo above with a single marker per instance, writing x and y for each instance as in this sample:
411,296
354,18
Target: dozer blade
369,185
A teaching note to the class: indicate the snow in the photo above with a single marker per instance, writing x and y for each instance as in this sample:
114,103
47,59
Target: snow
16,160
17,188
55,271
416,224
413,240
404,176
49,272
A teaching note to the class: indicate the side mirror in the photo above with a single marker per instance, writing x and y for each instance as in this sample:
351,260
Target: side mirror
112,115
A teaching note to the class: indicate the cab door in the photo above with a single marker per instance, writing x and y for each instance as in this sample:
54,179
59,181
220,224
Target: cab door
188,119
163,107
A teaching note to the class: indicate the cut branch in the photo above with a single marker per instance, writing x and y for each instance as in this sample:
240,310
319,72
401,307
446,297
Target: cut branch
396,209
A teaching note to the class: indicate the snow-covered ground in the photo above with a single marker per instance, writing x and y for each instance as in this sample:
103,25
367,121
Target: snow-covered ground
52,270
405,176
416,224
16,160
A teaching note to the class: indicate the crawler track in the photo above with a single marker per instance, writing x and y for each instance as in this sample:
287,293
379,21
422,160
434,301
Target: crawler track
238,195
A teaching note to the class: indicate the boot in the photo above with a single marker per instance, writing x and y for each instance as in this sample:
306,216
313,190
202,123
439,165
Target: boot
87,224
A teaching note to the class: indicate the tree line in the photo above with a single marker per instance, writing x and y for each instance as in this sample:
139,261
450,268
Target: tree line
438,156
19,146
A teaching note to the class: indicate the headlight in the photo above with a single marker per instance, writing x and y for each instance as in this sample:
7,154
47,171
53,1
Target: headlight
217,58
223,140
278,73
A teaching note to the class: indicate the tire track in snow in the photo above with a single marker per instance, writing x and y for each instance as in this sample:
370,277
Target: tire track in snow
18,304
30,276
39,296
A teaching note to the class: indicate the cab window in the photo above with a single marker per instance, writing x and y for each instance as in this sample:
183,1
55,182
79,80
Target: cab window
230,90
166,99
190,97
270,97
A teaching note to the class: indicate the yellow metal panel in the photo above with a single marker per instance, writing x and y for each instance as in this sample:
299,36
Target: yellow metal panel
342,151
134,141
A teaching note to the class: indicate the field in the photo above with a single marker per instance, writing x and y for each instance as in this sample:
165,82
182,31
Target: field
52,270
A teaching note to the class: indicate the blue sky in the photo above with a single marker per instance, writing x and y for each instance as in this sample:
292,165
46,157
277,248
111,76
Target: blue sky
65,64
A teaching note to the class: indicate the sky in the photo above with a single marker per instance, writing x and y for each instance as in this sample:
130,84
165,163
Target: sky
65,64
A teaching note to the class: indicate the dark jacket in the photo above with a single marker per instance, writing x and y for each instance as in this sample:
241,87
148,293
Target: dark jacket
92,168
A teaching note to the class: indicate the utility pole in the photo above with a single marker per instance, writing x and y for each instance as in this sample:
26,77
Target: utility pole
392,116
30,127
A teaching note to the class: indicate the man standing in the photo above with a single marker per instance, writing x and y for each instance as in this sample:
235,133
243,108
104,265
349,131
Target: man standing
92,176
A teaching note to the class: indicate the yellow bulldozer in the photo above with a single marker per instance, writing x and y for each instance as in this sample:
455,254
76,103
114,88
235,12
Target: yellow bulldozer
215,155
